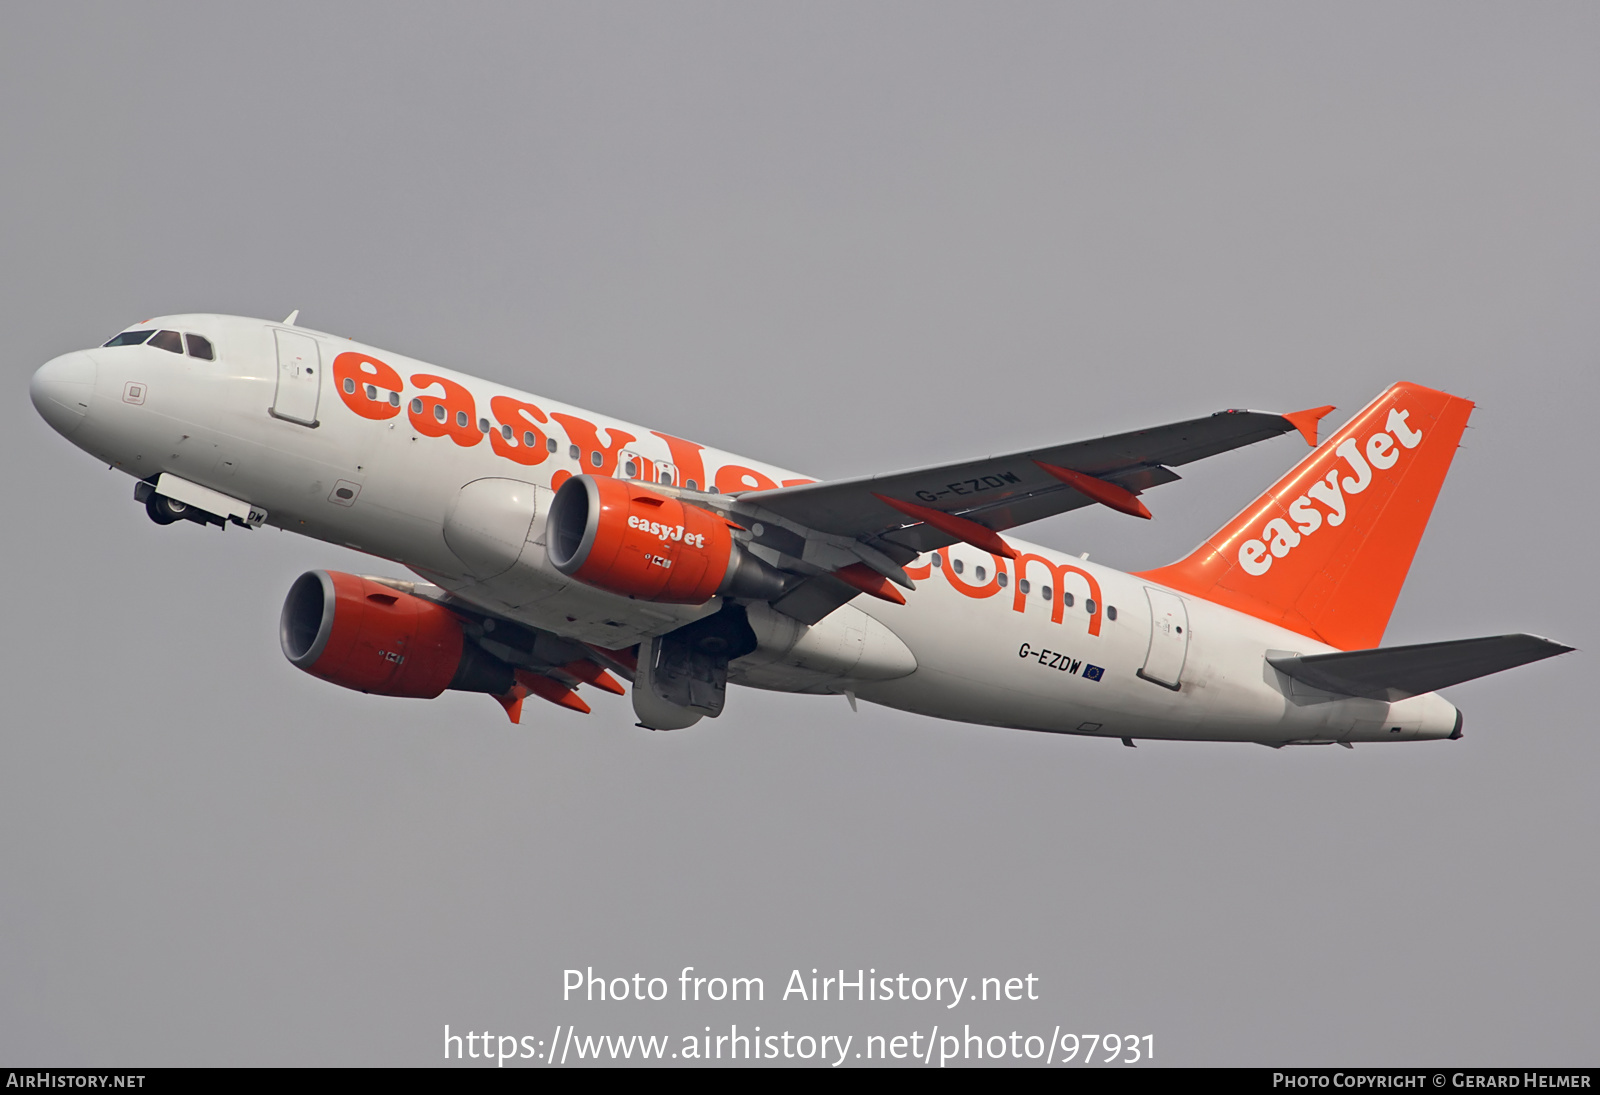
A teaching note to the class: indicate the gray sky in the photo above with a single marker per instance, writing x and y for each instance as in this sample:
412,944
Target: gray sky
842,238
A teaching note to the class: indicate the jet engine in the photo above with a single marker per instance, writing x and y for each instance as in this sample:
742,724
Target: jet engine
623,538
364,635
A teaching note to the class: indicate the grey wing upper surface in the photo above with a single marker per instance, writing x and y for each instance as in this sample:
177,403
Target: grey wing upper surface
1010,489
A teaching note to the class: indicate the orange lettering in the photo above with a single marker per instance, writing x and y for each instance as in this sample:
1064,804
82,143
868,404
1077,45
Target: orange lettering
1058,578
353,372
453,415
971,590
686,455
523,419
584,435
732,478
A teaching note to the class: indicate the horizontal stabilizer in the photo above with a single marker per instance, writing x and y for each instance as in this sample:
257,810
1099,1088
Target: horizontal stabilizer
1399,672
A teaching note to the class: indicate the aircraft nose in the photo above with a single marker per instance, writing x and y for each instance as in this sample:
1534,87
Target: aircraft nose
61,390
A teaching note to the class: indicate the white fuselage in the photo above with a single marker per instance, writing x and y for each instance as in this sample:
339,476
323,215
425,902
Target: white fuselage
968,646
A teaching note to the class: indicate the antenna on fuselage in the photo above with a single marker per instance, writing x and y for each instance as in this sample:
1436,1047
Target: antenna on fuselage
294,315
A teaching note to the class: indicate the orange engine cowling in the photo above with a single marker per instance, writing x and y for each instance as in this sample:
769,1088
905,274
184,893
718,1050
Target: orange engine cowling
363,635
624,538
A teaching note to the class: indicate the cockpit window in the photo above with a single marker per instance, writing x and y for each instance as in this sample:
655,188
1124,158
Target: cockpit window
199,346
130,338
168,340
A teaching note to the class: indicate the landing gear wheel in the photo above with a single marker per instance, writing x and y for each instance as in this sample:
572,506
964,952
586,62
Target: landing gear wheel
164,510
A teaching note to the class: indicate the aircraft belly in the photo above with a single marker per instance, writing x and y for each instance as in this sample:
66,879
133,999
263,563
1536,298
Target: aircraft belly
981,661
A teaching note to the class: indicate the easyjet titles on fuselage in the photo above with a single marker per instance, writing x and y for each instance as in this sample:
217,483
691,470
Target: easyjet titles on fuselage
373,389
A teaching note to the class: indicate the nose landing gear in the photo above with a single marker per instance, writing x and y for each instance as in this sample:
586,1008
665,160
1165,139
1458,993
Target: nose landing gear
164,510
167,511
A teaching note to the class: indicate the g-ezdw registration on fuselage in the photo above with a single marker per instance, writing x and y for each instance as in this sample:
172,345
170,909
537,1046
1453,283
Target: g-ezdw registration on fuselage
562,550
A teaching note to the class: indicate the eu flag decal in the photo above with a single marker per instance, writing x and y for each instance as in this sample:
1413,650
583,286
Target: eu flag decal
1093,672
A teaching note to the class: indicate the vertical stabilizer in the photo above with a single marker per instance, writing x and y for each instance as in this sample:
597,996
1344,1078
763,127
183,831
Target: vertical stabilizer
1326,550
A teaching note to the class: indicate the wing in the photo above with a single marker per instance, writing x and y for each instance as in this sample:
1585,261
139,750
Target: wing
1001,492
888,520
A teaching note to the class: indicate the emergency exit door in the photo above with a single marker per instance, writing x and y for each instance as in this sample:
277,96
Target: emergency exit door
299,378
1169,638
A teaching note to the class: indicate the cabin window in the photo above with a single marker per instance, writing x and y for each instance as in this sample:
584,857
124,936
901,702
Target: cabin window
630,469
595,458
199,346
1002,578
1088,605
982,575
461,419
572,452
416,406
372,393
1111,612
394,399
1023,587
131,338
956,565
349,386
439,412
528,440
170,341
937,560
483,425
507,432
550,444
1045,592
1066,599
692,485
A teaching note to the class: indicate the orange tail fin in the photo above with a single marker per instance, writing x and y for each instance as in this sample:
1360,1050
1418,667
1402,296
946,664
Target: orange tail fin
1326,550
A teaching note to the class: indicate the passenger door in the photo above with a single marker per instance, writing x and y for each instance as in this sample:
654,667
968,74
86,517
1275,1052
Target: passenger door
1169,638
299,378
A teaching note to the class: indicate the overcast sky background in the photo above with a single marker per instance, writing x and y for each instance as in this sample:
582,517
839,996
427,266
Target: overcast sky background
843,238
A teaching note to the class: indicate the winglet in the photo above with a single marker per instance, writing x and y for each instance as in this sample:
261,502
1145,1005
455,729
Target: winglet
292,316
867,580
1107,494
1306,422
970,532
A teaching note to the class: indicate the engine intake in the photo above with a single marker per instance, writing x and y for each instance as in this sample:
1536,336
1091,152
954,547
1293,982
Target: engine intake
361,634
623,538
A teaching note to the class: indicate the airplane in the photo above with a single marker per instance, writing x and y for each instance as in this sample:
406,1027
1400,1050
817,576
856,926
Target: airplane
551,548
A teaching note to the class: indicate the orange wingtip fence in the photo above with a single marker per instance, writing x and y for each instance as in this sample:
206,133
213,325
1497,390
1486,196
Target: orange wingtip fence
1306,422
